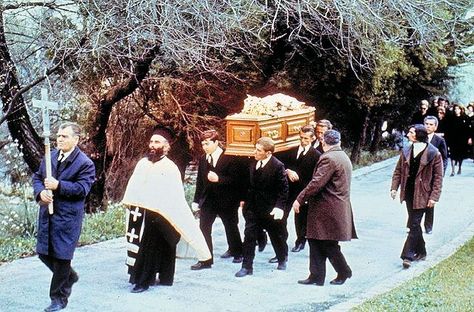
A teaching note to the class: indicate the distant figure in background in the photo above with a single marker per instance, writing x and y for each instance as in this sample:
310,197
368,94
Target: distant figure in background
422,112
419,175
321,127
264,205
330,217
218,193
157,217
457,137
431,124
72,176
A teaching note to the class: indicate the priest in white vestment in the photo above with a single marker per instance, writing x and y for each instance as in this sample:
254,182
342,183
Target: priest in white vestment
158,216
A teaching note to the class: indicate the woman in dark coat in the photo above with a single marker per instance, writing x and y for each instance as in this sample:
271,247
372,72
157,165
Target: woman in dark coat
457,137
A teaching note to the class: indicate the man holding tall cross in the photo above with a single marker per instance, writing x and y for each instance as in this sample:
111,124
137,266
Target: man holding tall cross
66,189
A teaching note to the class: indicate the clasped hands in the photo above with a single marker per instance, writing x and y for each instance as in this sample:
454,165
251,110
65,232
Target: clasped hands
46,196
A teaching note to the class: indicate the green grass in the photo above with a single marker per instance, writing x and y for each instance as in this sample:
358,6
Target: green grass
448,286
367,159
97,227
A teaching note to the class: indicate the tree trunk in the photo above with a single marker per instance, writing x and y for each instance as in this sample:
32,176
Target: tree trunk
98,198
356,149
18,120
377,134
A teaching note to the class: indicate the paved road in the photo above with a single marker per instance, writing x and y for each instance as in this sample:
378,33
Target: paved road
374,259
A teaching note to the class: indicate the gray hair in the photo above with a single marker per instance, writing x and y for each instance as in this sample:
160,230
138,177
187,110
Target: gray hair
432,118
332,137
76,129
267,144
324,123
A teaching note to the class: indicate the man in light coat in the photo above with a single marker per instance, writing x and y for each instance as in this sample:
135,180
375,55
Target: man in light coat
419,175
330,218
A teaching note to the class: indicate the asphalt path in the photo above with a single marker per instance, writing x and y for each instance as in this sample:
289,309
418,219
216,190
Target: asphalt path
374,259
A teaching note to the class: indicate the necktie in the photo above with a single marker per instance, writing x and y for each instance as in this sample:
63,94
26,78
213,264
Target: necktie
211,161
300,153
260,165
60,159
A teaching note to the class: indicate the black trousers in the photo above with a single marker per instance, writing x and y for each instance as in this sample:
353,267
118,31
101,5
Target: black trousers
157,253
414,244
319,251
230,219
63,277
276,231
301,219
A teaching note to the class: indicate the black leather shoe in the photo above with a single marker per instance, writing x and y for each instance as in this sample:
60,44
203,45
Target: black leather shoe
310,281
429,231
243,272
201,265
138,289
238,259
226,255
273,260
297,248
341,279
55,305
281,266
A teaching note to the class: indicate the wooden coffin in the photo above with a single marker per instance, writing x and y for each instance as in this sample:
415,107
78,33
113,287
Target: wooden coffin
243,131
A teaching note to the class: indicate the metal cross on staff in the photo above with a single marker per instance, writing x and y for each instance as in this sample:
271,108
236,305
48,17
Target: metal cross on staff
45,106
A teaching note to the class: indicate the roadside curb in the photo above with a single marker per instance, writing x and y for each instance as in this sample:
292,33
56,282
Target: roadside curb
389,284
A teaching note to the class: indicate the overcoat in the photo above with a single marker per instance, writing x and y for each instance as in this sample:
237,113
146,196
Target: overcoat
328,194
429,178
62,229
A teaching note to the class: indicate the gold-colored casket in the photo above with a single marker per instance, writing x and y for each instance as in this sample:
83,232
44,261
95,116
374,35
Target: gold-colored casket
283,126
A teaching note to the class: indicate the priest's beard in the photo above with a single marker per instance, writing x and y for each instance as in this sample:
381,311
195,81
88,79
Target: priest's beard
155,154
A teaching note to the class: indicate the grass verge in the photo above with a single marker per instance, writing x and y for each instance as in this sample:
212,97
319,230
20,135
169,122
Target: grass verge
448,286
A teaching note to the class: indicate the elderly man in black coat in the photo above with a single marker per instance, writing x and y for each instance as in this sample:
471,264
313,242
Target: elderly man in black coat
72,176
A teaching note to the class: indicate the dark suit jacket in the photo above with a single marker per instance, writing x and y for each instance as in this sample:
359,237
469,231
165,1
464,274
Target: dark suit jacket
304,167
440,144
268,187
75,175
225,194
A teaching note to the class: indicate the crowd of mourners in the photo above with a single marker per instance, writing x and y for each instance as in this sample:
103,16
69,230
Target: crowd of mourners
455,125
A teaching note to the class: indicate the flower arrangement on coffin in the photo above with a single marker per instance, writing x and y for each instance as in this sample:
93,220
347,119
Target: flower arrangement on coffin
271,105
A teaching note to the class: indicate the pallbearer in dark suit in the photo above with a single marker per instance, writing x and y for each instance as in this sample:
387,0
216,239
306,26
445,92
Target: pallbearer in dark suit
218,193
330,218
264,205
300,162
431,125
322,126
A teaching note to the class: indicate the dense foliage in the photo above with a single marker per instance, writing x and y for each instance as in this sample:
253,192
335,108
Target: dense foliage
186,64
